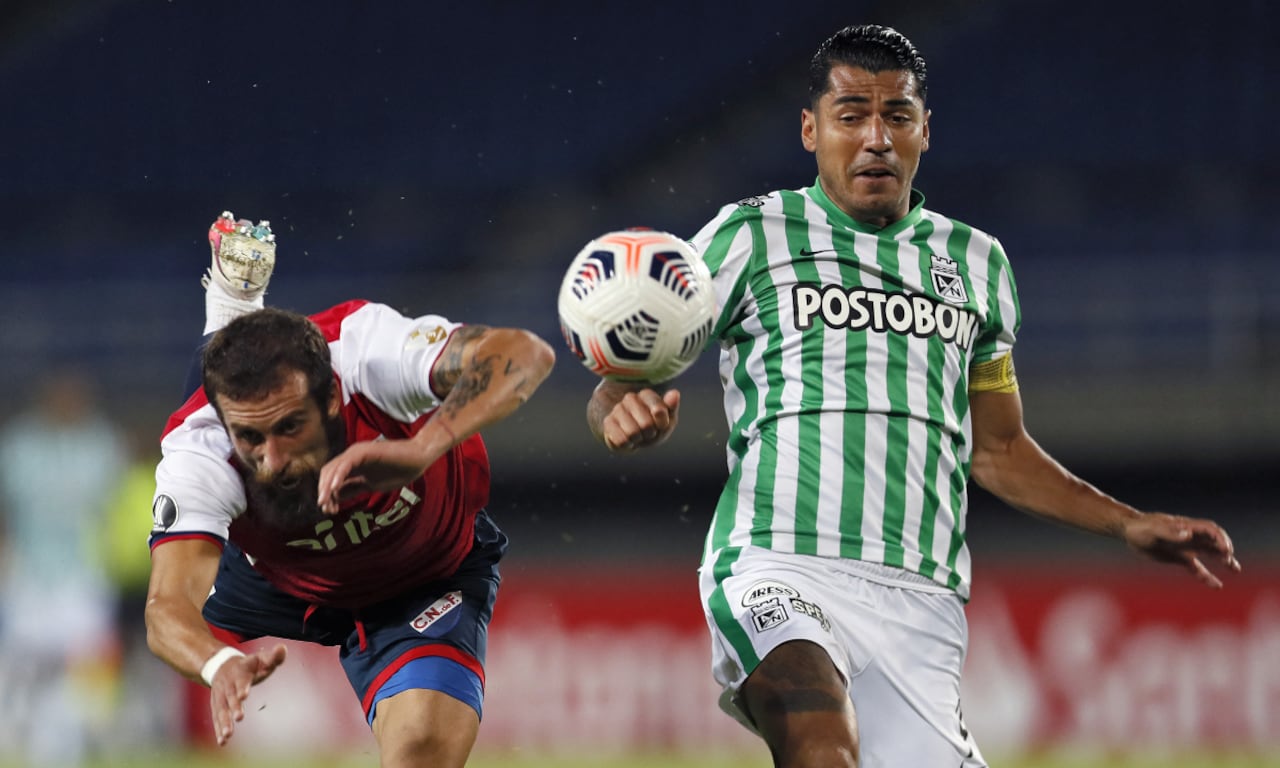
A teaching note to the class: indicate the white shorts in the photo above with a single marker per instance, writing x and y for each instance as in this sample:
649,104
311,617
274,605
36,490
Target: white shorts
898,639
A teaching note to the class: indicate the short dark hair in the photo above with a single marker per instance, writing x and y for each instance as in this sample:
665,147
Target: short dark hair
252,355
870,47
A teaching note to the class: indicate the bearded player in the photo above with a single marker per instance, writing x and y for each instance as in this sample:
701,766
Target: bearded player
327,484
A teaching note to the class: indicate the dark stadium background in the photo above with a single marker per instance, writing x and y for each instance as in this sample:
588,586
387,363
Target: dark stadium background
452,157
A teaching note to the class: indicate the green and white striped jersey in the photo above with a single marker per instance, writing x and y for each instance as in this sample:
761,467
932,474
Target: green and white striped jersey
845,355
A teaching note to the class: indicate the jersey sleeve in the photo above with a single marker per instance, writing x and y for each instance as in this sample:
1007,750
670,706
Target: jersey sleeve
1004,314
198,492
388,357
726,244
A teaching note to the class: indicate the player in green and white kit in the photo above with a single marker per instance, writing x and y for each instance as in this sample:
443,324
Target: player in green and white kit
866,355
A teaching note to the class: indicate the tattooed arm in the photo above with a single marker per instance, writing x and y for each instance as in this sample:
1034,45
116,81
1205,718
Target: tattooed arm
483,373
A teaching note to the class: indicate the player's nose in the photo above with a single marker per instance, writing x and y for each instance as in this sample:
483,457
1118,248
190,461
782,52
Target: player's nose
272,459
877,137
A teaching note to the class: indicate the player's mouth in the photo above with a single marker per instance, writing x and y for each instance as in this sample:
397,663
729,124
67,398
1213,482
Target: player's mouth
875,172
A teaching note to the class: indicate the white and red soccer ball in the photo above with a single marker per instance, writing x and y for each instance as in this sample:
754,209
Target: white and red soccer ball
637,305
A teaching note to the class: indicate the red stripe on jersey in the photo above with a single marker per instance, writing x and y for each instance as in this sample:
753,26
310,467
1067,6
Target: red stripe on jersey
330,320
158,539
193,404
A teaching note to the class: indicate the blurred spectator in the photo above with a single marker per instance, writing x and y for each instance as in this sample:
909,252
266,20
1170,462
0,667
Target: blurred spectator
60,460
147,707
126,526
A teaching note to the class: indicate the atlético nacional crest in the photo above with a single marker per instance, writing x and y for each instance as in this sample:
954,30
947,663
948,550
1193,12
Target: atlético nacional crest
947,282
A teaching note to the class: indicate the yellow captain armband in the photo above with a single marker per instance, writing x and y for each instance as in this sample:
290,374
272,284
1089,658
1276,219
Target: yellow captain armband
994,375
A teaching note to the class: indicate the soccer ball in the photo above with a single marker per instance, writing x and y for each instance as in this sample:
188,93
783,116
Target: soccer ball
637,306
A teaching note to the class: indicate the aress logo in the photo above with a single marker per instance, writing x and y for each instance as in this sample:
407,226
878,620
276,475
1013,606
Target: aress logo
764,590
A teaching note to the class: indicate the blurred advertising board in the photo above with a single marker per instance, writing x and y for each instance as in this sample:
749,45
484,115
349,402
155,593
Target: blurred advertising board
616,661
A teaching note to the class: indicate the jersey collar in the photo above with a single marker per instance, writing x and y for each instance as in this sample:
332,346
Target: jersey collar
838,216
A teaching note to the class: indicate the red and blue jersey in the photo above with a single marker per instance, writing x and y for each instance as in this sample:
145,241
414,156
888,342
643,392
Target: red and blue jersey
379,544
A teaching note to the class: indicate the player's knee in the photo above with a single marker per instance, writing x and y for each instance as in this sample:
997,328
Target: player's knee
819,756
811,740
415,752
424,728
424,747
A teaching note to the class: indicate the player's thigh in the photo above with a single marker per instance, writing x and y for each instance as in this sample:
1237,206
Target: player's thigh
432,638
419,727
799,704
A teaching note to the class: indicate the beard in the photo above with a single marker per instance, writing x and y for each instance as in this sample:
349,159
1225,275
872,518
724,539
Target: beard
290,500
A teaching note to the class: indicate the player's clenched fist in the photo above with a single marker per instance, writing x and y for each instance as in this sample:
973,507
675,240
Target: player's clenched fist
634,417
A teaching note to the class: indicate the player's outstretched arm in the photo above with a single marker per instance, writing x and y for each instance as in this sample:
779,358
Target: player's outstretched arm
484,374
182,573
629,416
1011,465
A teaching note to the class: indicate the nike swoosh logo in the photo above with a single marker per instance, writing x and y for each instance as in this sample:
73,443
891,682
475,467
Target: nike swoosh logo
810,252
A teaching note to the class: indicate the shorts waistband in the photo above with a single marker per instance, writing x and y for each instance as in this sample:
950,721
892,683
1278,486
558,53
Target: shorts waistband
891,576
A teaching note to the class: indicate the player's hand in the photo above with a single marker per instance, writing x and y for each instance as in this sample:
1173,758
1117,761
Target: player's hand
374,465
1183,541
231,684
641,418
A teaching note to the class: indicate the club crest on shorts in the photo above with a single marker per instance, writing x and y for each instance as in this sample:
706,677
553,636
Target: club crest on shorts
947,282
769,614
437,610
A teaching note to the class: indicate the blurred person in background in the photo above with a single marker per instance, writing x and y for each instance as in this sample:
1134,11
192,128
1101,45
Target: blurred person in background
866,357
60,460
148,707
327,484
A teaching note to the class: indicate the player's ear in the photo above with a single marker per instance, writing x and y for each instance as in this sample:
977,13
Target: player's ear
335,400
808,130
924,140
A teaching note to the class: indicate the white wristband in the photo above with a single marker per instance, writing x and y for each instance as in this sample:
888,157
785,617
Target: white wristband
215,663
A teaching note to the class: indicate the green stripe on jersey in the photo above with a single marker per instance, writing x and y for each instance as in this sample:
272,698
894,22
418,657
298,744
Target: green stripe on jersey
762,524
853,434
937,395
809,466
895,442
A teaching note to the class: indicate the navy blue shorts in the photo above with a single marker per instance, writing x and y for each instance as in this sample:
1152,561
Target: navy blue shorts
431,637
